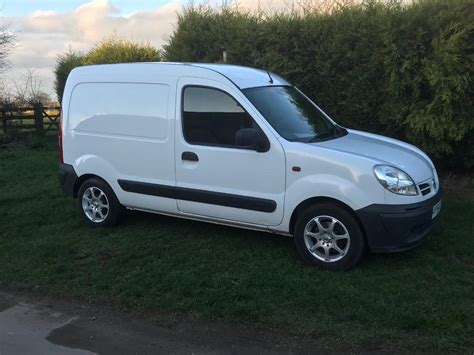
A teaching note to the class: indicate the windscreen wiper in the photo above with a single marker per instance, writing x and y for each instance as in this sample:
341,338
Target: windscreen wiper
322,136
334,132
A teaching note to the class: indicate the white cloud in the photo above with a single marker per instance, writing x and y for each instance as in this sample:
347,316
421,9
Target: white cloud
43,35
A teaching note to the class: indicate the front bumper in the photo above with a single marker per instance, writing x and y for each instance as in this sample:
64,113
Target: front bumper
67,179
392,228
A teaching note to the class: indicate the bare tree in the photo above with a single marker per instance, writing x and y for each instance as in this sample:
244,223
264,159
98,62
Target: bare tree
6,95
28,90
24,91
7,39
6,43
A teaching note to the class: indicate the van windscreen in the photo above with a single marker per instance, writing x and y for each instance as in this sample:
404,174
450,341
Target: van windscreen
292,115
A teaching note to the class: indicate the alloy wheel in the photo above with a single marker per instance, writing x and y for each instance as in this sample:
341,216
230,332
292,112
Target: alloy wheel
95,204
326,238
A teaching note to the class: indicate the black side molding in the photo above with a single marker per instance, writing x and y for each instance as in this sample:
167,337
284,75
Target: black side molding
203,196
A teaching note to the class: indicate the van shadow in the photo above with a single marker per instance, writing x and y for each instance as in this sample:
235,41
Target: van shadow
137,218
245,238
237,237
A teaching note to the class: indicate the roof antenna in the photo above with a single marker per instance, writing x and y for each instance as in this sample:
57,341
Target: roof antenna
271,79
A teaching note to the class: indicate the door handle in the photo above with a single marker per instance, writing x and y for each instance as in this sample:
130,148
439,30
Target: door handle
189,156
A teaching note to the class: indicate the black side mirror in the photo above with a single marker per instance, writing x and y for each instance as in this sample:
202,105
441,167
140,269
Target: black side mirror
251,138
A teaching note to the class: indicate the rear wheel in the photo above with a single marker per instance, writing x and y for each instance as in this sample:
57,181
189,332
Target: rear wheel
328,236
98,204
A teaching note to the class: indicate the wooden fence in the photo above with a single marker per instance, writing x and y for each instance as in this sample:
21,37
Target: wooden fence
35,119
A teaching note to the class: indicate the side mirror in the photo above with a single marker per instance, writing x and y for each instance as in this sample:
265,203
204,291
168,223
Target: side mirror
253,139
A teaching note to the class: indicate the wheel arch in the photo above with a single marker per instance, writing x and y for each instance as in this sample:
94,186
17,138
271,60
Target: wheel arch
83,178
302,206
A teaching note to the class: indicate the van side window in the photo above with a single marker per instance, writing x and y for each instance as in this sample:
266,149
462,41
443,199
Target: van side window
212,117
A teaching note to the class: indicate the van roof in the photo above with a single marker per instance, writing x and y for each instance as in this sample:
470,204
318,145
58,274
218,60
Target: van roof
242,77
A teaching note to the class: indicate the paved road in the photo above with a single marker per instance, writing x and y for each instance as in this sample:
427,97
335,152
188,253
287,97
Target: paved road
31,325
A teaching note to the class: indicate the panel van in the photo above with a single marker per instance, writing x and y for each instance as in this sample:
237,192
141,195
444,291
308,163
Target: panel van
242,147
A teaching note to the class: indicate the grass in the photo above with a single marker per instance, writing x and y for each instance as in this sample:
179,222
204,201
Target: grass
419,300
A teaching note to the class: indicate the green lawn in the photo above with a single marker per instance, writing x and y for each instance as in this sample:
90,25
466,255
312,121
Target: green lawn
418,300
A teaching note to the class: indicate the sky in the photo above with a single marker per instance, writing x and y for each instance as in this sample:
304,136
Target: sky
45,29
25,7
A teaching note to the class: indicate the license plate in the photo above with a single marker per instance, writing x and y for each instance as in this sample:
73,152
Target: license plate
436,209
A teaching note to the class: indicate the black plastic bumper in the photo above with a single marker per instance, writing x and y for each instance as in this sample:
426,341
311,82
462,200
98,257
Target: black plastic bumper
392,228
67,179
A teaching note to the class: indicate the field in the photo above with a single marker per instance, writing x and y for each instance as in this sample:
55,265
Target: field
419,300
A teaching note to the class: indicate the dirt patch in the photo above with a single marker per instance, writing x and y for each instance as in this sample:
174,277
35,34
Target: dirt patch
99,329
6,302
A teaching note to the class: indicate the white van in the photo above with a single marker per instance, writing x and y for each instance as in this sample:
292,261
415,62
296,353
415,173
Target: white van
241,147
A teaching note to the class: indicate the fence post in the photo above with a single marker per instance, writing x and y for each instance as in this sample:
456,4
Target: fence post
4,122
38,112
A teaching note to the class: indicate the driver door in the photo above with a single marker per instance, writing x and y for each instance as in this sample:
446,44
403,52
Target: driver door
215,177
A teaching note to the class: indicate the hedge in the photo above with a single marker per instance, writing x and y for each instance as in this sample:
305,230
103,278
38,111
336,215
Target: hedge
397,69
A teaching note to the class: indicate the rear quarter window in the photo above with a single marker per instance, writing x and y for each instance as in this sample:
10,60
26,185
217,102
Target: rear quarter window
123,109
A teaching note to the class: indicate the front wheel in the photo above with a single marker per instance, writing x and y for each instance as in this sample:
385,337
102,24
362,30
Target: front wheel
328,236
98,203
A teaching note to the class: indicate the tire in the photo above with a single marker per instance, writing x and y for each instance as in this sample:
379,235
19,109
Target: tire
98,204
338,248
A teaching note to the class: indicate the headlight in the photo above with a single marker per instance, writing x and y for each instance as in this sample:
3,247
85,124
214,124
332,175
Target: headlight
395,180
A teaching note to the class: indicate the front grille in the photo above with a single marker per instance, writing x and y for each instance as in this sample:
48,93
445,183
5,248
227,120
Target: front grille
425,188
